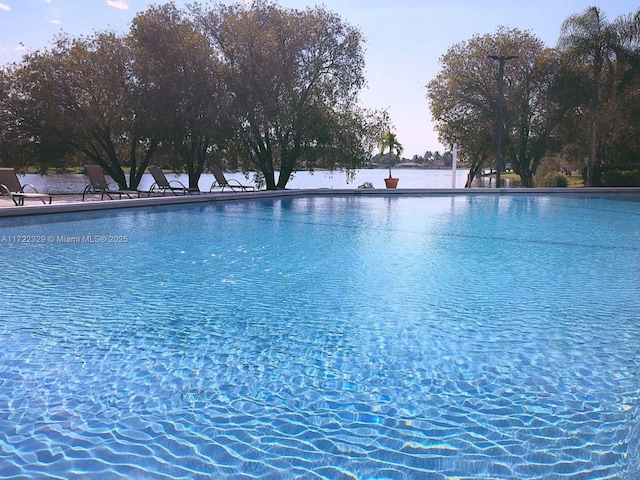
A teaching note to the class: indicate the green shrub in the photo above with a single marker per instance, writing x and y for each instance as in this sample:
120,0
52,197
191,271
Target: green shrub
621,178
552,179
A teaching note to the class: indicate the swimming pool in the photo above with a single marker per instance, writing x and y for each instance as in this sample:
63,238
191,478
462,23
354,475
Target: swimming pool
437,337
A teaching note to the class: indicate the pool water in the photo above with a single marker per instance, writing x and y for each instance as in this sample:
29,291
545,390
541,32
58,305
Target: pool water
345,337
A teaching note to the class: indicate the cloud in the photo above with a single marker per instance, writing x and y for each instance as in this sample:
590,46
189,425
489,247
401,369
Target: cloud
55,22
8,50
119,4
4,7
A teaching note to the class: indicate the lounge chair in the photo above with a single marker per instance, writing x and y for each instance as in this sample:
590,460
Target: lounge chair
10,185
98,184
221,182
162,184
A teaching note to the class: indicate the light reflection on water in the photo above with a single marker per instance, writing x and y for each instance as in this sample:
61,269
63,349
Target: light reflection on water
346,336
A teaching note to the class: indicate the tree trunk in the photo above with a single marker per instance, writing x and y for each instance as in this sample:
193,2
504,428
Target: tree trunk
288,163
283,178
265,164
285,170
194,156
593,149
198,168
593,126
474,169
137,171
113,167
526,178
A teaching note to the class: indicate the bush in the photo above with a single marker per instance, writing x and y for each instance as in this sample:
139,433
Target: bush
553,179
621,178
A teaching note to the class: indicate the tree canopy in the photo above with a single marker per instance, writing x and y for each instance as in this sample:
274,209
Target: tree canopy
577,100
597,48
294,76
179,81
258,86
80,95
464,95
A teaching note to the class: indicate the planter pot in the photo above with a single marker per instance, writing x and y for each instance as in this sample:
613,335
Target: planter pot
391,182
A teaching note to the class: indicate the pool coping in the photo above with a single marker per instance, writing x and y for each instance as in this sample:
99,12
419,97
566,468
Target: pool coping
79,206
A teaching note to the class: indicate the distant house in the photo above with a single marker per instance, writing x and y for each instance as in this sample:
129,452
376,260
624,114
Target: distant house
408,165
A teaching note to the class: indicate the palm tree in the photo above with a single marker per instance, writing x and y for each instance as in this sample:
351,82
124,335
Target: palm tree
590,40
389,142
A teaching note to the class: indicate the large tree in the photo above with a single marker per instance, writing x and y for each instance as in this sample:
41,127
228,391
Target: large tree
294,76
29,131
179,86
82,93
618,127
590,43
463,98
535,112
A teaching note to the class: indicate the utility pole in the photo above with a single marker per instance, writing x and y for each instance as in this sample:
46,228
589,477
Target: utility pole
501,59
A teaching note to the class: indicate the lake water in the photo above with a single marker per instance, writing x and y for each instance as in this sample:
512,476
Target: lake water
409,178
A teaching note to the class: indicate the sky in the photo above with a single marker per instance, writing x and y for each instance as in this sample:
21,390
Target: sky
404,39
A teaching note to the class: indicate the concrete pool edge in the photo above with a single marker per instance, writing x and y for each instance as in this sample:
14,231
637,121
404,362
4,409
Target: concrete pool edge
79,206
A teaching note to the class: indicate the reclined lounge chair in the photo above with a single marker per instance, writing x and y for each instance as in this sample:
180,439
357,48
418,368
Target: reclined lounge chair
10,185
98,184
162,184
221,182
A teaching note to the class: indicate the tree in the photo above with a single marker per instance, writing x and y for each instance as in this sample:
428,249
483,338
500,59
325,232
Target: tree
294,77
28,134
618,152
535,113
5,115
179,86
463,100
388,142
82,94
589,41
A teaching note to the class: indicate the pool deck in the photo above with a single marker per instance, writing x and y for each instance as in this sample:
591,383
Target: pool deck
73,202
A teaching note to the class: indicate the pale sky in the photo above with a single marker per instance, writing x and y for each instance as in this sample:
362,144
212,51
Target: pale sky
404,39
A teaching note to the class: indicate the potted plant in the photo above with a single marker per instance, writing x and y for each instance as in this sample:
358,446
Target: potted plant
389,142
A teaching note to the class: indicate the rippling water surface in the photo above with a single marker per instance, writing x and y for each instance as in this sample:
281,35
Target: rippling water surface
436,337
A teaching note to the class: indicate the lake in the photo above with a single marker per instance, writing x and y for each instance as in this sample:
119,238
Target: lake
409,178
